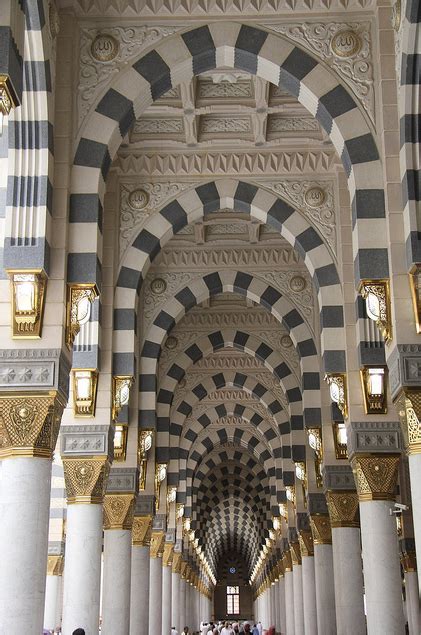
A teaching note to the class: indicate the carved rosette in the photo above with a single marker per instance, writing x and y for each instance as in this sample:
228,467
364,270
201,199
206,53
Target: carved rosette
376,476
321,529
86,479
118,511
306,543
55,565
29,425
409,409
141,531
157,544
343,508
295,553
168,554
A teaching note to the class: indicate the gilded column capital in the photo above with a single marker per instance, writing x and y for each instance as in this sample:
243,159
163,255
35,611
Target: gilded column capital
86,479
321,529
376,476
55,565
29,424
305,539
168,554
409,561
157,543
118,511
141,530
343,508
295,552
183,569
176,562
408,405
287,561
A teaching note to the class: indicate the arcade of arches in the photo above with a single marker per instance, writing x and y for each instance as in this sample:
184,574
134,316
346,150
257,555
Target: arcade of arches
210,315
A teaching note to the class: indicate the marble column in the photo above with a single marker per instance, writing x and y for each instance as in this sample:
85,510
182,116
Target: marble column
347,563
277,606
29,432
183,588
298,583
376,477
53,592
289,593
409,565
139,587
166,586
118,520
282,608
323,567
175,591
155,582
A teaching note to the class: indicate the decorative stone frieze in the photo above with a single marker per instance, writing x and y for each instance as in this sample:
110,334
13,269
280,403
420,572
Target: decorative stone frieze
366,437
404,366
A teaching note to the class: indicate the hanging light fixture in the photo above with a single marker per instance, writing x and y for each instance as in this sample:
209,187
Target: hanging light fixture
28,293
377,303
338,391
85,381
373,382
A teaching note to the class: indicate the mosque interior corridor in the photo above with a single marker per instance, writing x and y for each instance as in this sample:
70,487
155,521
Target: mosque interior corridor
210,317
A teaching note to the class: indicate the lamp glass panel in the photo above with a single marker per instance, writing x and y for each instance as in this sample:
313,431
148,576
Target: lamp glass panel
24,292
118,438
162,472
341,433
372,306
313,441
148,442
334,392
124,393
83,381
83,310
375,381
300,471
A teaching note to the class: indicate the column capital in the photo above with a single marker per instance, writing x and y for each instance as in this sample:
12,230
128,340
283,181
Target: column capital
408,404
29,424
404,365
376,476
321,529
305,539
176,562
157,543
118,511
343,508
295,552
85,479
407,555
55,565
141,530
338,477
374,437
287,561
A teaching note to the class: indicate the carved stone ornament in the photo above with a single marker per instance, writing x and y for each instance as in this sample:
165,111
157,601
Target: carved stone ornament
297,284
343,508
103,55
168,553
138,199
396,18
158,286
85,479
171,342
53,20
141,530
55,565
344,46
376,476
157,544
315,196
306,543
321,529
409,409
29,425
118,511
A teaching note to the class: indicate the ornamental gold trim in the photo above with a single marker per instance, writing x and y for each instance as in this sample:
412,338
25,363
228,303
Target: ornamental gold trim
167,555
380,289
141,531
408,405
409,561
376,476
6,99
76,294
86,479
321,529
29,425
295,553
305,539
55,565
118,511
176,562
287,561
343,508
157,544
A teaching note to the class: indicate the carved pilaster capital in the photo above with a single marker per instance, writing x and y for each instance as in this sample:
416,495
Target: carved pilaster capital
295,553
29,424
176,562
321,529
408,405
343,508
55,565
168,554
306,543
287,561
376,476
157,544
183,569
141,530
86,479
118,511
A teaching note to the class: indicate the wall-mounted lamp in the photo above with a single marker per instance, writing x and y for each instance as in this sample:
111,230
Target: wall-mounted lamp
283,510
28,293
120,441
340,440
415,285
179,511
6,100
160,476
373,382
290,492
276,521
121,393
314,436
338,391
300,471
78,308
377,304
85,382
144,445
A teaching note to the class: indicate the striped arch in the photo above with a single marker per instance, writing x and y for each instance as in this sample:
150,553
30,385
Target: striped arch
232,45
260,204
410,111
30,140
